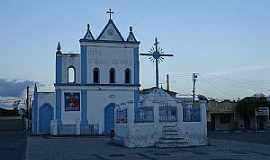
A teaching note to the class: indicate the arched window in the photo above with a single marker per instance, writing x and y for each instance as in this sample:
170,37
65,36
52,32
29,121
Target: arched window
112,75
71,74
96,75
127,75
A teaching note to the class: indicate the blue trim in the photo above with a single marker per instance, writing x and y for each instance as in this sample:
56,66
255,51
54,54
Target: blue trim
109,118
84,127
58,104
97,84
168,120
136,101
109,41
136,66
34,113
58,68
70,54
143,121
84,106
114,26
83,64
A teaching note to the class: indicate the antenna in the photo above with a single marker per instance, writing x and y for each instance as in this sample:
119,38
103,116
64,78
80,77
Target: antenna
194,78
168,82
27,107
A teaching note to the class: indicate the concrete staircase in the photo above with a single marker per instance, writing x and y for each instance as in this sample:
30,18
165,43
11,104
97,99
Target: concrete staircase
170,138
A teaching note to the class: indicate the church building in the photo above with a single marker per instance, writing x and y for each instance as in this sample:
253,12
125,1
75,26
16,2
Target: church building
97,92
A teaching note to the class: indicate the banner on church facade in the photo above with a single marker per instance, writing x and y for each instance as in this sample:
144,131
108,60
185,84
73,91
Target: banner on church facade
72,101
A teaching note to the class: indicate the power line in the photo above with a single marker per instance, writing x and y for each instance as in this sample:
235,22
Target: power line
213,86
237,83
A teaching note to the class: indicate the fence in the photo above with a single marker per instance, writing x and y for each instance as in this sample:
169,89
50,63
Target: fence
94,129
167,113
191,113
144,114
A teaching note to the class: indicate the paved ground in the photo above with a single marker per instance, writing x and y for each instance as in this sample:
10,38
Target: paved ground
251,137
12,145
223,146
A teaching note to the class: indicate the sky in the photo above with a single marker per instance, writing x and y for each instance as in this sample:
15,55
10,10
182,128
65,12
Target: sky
226,42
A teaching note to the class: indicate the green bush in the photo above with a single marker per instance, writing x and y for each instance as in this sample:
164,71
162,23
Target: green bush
246,107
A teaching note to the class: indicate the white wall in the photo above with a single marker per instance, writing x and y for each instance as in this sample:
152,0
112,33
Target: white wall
196,132
97,100
118,57
71,60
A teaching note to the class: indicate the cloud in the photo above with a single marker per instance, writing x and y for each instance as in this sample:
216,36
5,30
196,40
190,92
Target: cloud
14,88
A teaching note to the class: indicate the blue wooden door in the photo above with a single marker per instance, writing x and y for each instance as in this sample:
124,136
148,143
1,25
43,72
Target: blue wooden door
45,117
109,118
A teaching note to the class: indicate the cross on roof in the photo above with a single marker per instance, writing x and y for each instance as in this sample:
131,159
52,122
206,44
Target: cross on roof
110,12
156,54
156,43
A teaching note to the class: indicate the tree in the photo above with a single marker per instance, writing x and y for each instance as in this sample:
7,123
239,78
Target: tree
246,107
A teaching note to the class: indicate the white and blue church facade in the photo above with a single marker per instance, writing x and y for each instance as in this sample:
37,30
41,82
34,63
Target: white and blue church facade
105,73
98,90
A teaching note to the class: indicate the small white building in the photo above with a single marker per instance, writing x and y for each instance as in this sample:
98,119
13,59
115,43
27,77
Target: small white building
160,120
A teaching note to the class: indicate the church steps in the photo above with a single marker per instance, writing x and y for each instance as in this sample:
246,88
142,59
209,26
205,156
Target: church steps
171,145
171,131
171,138
172,141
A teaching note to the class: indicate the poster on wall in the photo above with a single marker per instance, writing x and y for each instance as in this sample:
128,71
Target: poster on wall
72,101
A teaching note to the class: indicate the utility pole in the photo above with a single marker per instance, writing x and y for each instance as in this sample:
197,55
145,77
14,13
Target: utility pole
194,78
167,81
27,106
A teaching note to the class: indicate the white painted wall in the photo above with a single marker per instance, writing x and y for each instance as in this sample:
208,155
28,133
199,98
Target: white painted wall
119,57
98,99
196,132
71,60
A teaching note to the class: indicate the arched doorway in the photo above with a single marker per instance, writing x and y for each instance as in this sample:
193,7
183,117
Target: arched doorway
109,118
45,117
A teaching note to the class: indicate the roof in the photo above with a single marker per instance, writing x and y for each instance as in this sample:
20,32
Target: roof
110,33
88,35
148,90
131,37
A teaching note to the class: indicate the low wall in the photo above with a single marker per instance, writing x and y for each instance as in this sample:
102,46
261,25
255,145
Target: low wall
121,133
147,134
12,123
195,133
143,135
